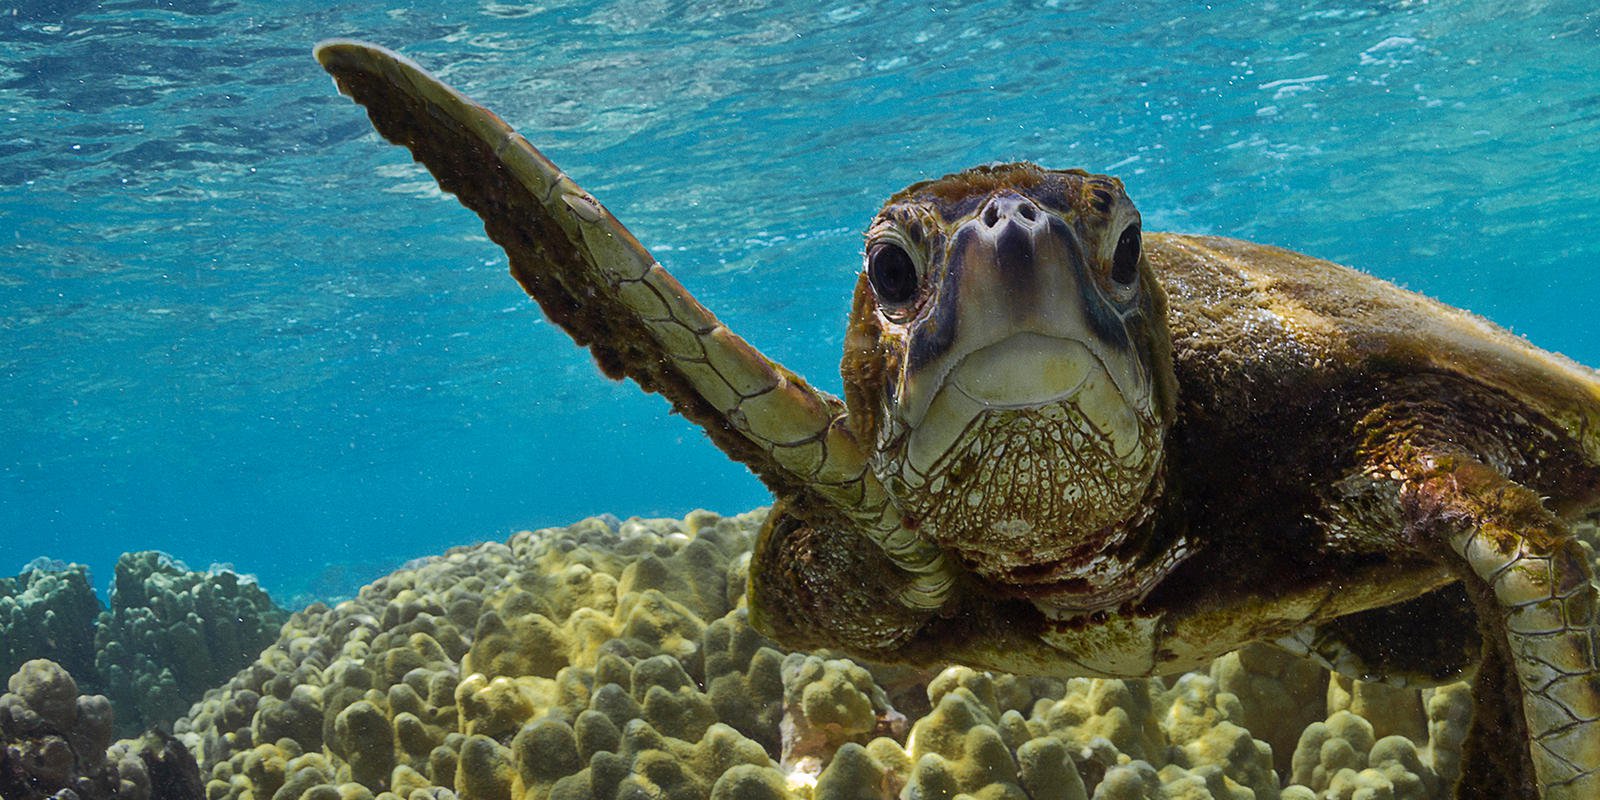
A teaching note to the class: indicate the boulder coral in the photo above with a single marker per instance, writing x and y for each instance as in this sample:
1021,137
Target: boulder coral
613,659
172,633
49,610
56,743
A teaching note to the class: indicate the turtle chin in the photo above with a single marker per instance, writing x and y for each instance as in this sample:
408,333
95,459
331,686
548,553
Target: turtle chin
1032,467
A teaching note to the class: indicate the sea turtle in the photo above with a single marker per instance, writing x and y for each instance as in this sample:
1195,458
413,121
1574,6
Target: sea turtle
1068,446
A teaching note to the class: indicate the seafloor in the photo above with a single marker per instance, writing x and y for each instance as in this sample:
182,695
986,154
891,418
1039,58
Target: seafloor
612,660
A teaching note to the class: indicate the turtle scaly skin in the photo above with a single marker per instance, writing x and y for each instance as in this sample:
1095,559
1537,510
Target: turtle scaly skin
1070,447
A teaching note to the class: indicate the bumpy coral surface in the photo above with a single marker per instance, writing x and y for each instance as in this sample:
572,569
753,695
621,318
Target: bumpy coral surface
48,610
612,659
56,743
172,633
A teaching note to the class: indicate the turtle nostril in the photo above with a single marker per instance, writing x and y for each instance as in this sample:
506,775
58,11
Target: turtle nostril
1007,207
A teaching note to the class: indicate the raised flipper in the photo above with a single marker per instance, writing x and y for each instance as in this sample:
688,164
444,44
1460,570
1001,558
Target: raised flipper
595,280
1536,732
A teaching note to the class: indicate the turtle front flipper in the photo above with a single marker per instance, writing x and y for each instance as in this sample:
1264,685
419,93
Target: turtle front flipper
595,280
1536,731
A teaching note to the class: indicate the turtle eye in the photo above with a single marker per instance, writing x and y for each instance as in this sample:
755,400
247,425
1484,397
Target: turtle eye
1125,262
892,274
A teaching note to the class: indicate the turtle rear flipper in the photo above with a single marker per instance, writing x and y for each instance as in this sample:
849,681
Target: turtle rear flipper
1429,640
595,280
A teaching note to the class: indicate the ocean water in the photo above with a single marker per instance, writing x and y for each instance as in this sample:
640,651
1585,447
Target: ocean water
236,327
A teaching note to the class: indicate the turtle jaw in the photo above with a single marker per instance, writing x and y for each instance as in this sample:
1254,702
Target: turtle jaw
1043,486
1024,374
1029,371
1025,369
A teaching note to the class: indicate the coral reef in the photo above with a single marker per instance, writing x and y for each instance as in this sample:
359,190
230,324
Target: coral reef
56,743
172,633
49,610
612,659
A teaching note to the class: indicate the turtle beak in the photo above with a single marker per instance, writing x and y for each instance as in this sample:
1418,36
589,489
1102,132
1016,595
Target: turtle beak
1018,319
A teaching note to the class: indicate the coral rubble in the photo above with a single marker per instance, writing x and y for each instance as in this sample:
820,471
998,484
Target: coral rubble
612,659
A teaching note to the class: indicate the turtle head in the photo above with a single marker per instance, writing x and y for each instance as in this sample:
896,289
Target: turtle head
1009,369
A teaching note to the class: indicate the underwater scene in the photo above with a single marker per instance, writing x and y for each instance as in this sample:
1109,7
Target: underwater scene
302,497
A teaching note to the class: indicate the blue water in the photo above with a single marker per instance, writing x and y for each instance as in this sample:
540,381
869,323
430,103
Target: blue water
235,327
